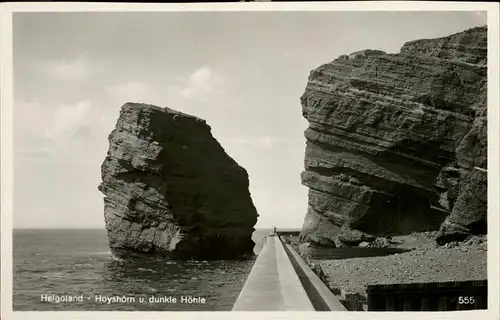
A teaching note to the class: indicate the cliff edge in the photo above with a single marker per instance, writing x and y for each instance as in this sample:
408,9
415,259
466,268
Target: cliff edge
172,191
397,143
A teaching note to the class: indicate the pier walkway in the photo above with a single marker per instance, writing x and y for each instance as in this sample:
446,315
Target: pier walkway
272,284
281,281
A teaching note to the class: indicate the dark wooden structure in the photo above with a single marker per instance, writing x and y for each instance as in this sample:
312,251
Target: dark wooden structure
435,296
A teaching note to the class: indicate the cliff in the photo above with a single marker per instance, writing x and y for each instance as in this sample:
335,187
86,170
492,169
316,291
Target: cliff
397,143
171,190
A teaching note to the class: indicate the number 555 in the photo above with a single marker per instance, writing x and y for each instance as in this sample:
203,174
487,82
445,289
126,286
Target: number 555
466,300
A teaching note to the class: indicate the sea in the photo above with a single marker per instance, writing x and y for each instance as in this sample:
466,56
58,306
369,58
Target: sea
72,270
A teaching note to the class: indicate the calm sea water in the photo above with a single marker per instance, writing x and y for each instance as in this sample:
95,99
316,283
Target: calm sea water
77,263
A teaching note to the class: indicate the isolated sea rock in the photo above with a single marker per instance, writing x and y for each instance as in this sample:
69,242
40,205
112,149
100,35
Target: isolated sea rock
172,191
397,143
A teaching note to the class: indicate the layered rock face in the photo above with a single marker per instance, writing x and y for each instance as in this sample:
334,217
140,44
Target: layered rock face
171,190
397,143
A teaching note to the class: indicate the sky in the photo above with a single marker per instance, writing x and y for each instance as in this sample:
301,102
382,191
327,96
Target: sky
243,72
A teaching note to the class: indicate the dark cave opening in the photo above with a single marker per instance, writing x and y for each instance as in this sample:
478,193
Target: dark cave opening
408,210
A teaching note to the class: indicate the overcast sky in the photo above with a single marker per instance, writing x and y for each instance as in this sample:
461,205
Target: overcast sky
242,72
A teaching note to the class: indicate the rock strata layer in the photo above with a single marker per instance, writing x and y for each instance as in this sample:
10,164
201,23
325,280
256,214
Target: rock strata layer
397,143
172,191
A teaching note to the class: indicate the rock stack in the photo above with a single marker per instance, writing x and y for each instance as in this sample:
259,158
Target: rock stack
172,191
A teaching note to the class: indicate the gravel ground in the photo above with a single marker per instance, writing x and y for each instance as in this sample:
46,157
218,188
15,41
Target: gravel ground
426,263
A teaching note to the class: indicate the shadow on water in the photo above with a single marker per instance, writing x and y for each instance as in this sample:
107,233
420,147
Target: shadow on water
175,271
147,269
136,269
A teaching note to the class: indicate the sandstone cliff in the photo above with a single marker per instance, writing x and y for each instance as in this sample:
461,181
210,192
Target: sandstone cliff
397,143
171,190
